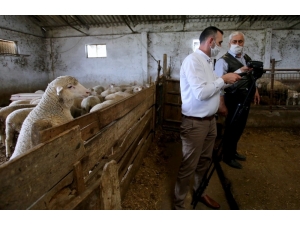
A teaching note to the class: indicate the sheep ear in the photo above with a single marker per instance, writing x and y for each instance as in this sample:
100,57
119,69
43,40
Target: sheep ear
58,90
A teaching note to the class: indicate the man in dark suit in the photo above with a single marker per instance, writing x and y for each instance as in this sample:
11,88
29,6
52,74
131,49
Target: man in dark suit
235,60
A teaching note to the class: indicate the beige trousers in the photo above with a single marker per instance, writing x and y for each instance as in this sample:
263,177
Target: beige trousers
198,138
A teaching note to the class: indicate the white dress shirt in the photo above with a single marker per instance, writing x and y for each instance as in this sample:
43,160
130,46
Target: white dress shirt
199,85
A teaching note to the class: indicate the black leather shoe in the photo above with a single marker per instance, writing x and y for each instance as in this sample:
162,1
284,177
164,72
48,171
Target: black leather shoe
240,157
233,163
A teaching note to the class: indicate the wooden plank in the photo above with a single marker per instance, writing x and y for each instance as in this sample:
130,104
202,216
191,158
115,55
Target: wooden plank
119,110
110,196
127,159
92,123
89,199
78,177
26,178
46,201
102,143
133,134
81,121
129,142
134,167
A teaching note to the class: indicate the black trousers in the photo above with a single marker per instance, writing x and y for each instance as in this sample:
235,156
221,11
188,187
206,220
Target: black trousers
234,128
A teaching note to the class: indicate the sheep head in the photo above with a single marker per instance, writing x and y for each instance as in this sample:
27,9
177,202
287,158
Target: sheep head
66,88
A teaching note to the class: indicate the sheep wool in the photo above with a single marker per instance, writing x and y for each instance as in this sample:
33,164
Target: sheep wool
4,112
52,110
13,126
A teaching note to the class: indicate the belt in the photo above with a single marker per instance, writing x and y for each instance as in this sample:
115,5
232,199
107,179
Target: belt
198,118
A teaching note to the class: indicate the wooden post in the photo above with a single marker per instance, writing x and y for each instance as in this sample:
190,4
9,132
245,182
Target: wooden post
110,187
164,88
158,71
78,176
272,83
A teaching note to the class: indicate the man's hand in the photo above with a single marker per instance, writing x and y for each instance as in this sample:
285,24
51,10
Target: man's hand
256,97
222,107
230,78
245,69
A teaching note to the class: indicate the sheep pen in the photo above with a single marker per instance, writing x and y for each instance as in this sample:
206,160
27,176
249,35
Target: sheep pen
268,179
267,152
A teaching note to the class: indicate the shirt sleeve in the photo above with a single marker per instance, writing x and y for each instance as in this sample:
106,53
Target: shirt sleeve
203,87
221,68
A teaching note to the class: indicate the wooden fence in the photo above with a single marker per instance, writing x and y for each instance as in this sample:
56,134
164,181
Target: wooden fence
87,163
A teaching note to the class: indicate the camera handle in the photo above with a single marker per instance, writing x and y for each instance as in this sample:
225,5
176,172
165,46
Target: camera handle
215,163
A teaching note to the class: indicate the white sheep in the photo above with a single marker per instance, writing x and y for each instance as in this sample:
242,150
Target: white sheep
20,102
35,100
88,103
40,92
110,90
117,96
292,94
98,89
4,112
13,126
137,88
53,110
102,105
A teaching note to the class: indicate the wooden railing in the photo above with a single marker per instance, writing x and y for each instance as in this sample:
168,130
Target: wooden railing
87,163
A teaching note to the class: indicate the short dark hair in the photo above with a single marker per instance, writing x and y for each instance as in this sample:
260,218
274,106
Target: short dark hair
209,31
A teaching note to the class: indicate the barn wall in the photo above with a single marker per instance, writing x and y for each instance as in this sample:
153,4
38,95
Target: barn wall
123,64
264,41
132,53
22,74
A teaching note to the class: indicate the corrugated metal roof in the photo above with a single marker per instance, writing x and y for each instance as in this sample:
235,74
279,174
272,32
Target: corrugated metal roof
50,22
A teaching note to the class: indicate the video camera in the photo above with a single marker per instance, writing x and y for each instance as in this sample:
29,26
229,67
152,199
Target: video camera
257,69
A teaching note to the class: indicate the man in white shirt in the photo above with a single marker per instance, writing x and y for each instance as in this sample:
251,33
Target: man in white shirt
235,60
200,95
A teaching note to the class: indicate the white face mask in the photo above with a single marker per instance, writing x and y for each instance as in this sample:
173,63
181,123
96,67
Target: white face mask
236,49
214,51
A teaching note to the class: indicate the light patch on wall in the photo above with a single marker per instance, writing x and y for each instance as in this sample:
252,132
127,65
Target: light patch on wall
196,44
96,51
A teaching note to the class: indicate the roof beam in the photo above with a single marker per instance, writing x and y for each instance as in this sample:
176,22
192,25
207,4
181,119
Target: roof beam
183,19
82,23
243,21
72,25
124,19
291,26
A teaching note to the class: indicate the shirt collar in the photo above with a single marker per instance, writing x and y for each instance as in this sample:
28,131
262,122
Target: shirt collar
203,54
234,55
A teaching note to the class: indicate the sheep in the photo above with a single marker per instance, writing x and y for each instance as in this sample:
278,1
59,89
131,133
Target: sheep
137,88
98,89
110,90
40,92
88,103
277,86
102,105
4,112
53,110
20,102
117,96
35,100
292,94
13,126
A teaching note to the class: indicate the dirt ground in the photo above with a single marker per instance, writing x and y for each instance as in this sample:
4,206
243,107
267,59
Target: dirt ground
269,179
